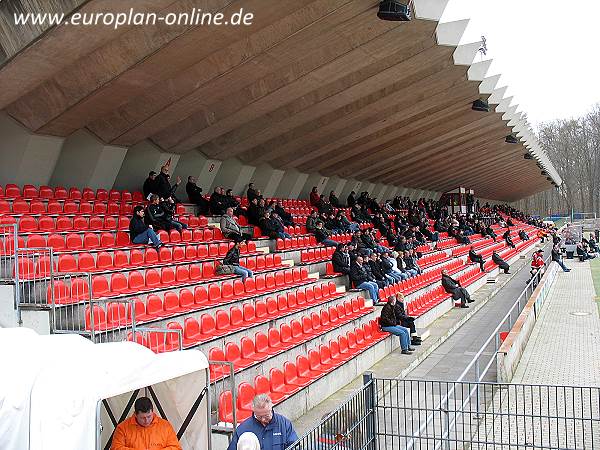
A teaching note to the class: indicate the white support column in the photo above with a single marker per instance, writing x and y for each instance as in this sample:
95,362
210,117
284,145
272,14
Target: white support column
234,175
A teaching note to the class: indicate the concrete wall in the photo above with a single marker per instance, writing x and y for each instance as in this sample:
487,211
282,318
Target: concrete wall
82,160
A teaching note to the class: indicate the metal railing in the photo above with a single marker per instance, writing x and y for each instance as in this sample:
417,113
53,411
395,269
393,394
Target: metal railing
223,382
9,267
158,340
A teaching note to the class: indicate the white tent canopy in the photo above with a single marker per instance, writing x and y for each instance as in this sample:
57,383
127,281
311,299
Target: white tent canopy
64,377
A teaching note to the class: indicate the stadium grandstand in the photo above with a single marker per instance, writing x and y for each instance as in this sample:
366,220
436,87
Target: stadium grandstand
270,146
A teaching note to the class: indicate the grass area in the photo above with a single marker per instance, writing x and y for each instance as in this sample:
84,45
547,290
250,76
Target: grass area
559,223
595,267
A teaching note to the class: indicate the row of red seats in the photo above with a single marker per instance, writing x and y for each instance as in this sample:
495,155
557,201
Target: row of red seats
278,340
427,278
110,240
477,244
432,259
70,207
282,384
446,244
30,191
223,323
423,303
136,282
295,243
39,267
318,254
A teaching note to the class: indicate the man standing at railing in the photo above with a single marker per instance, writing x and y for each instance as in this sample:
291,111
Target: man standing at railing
274,431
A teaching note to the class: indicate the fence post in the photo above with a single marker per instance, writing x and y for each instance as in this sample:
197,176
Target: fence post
370,404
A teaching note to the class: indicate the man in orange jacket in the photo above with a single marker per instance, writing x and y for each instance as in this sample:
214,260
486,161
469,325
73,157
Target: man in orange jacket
144,430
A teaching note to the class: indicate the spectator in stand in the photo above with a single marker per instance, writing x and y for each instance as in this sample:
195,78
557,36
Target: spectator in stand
323,236
351,200
156,216
231,202
335,202
523,235
361,279
508,239
387,265
323,206
476,258
218,202
537,264
377,271
150,185
232,258
593,245
251,193
582,252
194,193
345,224
314,197
231,228
275,432
255,211
489,231
452,286
406,320
542,234
500,262
163,182
285,216
461,238
144,430
168,206
398,265
311,221
410,261
341,259
372,243
390,323
273,228
139,232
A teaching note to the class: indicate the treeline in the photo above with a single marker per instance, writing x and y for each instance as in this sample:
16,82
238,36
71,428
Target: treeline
574,148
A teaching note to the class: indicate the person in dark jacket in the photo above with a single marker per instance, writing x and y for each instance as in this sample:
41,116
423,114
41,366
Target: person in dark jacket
150,185
390,323
508,239
452,286
335,202
557,256
286,217
218,204
232,258
406,320
523,235
351,201
361,279
381,278
251,193
156,215
341,259
489,231
168,205
255,212
500,262
139,232
194,193
476,258
322,236
163,183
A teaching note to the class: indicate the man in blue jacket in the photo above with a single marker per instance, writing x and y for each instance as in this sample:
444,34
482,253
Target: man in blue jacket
274,431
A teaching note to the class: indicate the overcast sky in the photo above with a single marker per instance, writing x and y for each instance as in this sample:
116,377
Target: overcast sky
547,51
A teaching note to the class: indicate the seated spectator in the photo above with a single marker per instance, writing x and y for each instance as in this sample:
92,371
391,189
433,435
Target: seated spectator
168,206
314,197
311,221
232,258
489,231
370,241
139,232
523,235
231,202
593,245
273,228
359,245
508,239
334,200
194,193
461,237
582,252
150,185
351,200
217,202
500,262
285,216
452,286
255,211
476,258
398,270
144,429
378,273
322,235
156,215
361,279
542,234
341,259
252,193
231,229
390,323
410,262
402,265
406,320
324,206
537,264
346,225
387,265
